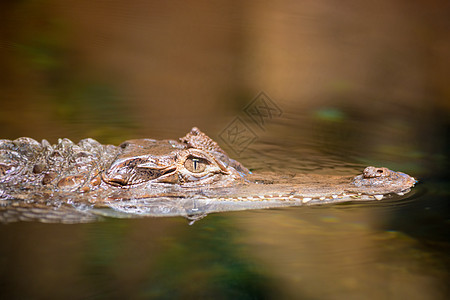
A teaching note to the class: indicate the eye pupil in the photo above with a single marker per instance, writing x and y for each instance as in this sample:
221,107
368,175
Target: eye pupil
195,161
195,164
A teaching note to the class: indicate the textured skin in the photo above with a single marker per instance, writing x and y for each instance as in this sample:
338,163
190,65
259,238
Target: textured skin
72,183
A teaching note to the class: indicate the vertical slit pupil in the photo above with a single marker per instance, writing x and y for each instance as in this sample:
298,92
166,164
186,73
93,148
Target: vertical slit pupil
195,161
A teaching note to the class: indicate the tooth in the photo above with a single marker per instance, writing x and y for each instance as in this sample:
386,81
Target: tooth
400,194
378,197
305,200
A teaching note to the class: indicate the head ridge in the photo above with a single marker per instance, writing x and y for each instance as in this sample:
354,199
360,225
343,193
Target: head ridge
197,139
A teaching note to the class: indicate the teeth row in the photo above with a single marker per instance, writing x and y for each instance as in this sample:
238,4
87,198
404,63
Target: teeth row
281,197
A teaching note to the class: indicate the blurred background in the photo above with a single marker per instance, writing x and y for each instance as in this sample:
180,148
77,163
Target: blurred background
355,83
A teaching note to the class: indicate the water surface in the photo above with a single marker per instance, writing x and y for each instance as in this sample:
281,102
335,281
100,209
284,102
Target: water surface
355,85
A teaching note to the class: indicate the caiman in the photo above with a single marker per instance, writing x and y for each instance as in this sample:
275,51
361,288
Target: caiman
191,177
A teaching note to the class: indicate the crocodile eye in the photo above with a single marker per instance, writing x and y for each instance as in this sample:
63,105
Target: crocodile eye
195,164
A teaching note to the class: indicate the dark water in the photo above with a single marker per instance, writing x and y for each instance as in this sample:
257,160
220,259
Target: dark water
349,86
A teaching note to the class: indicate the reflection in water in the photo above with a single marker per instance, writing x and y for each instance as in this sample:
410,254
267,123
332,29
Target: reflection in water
343,248
289,253
155,259
208,262
359,84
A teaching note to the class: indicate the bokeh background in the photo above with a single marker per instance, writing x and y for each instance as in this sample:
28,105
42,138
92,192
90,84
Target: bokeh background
358,83
109,68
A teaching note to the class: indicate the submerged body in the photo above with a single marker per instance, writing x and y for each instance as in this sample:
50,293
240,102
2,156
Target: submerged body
69,182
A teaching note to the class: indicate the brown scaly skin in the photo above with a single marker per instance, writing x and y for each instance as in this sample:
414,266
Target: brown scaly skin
72,183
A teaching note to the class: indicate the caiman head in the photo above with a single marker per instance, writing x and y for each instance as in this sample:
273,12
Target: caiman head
196,167
193,161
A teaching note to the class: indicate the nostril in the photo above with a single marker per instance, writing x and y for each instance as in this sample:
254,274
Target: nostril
373,172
